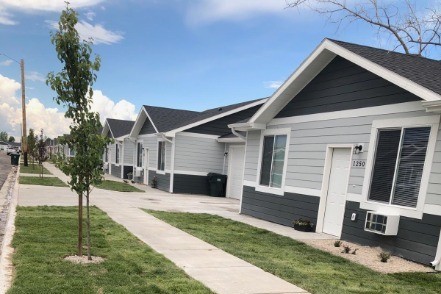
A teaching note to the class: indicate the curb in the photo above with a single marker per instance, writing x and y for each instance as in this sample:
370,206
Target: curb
6,266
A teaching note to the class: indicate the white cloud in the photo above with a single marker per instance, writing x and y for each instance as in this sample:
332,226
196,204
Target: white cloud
6,62
90,15
107,108
273,84
206,11
35,77
97,33
6,18
46,5
50,119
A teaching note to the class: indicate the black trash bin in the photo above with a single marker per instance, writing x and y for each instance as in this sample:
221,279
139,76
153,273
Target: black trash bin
217,184
15,158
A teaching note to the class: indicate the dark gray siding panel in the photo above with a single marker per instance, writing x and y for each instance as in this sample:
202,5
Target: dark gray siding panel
343,85
127,169
163,180
190,184
220,126
147,128
416,239
116,171
279,209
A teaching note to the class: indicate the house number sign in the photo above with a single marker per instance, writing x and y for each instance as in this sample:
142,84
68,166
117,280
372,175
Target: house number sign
359,163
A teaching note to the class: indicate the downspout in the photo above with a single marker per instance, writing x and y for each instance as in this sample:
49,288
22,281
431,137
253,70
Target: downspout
436,263
172,163
225,159
243,138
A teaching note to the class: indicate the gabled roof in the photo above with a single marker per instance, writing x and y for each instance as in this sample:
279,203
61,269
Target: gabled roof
118,127
165,119
418,75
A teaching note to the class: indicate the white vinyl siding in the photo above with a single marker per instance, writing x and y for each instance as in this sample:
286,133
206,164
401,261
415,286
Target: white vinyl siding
129,149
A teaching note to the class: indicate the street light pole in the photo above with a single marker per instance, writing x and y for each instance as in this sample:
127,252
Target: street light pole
24,140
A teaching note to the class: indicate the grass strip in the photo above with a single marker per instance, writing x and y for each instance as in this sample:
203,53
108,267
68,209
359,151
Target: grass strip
47,181
309,268
33,169
117,186
45,235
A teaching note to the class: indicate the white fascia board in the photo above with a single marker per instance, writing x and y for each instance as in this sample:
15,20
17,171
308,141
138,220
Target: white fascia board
247,126
432,106
231,140
315,63
137,121
215,117
106,125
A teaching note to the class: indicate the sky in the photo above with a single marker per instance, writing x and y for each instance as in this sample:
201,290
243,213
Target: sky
187,54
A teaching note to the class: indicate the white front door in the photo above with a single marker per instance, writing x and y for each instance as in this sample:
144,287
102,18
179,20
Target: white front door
146,166
337,189
236,164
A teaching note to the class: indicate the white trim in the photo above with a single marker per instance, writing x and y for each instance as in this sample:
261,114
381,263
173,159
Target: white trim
147,136
190,173
108,127
244,167
315,62
417,212
350,113
354,197
303,191
231,140
143,110
197,135
270,132
432,209
215,117
325,182
251,184
172,163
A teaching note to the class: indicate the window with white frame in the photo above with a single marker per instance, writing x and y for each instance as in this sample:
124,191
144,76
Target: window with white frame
273,160
398,165
139,155
116,153
161,155
106,155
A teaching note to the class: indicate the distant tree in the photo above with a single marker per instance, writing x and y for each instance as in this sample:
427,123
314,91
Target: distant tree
3,136
73,86
414,30
11,139
32,143
41,153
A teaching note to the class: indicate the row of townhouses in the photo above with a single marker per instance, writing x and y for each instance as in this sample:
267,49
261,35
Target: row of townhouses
350,141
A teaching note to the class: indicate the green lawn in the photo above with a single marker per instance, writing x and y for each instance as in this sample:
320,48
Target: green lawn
45,235
46,181
117,186
295,262
33,170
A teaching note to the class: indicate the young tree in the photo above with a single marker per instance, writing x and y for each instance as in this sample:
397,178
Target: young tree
32,143
73,86
414,30
41,152
3,136
11,139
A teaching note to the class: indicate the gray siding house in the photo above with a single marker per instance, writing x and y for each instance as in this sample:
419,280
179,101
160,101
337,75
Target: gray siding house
178,148
119,156
351,141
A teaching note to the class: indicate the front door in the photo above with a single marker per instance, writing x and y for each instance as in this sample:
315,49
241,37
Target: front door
337,189
146,166
236,165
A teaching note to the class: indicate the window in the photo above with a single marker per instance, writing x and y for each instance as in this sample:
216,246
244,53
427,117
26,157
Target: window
398,165
117,153
106,155
273,160
139,155
161,155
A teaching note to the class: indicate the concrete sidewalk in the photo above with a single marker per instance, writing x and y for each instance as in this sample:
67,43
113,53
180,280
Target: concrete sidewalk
218,270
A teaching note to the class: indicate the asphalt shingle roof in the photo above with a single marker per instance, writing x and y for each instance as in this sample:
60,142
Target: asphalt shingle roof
166,119
423,71
120,127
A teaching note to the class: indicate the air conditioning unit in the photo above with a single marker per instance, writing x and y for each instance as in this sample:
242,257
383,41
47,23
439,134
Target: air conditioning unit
383,224
106,166
138,172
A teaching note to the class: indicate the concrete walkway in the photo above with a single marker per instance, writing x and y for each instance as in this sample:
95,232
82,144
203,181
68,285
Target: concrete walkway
218,270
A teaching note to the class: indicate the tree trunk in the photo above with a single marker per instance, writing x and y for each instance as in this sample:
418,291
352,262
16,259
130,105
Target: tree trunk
80,224
89,257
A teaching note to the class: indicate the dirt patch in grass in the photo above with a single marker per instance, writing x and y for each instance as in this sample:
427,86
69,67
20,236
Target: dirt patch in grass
83,259
369,256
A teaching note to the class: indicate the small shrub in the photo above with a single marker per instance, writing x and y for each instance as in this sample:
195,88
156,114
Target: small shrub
346,249
384,256
337,243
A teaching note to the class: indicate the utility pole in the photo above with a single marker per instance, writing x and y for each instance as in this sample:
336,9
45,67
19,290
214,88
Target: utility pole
24,140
